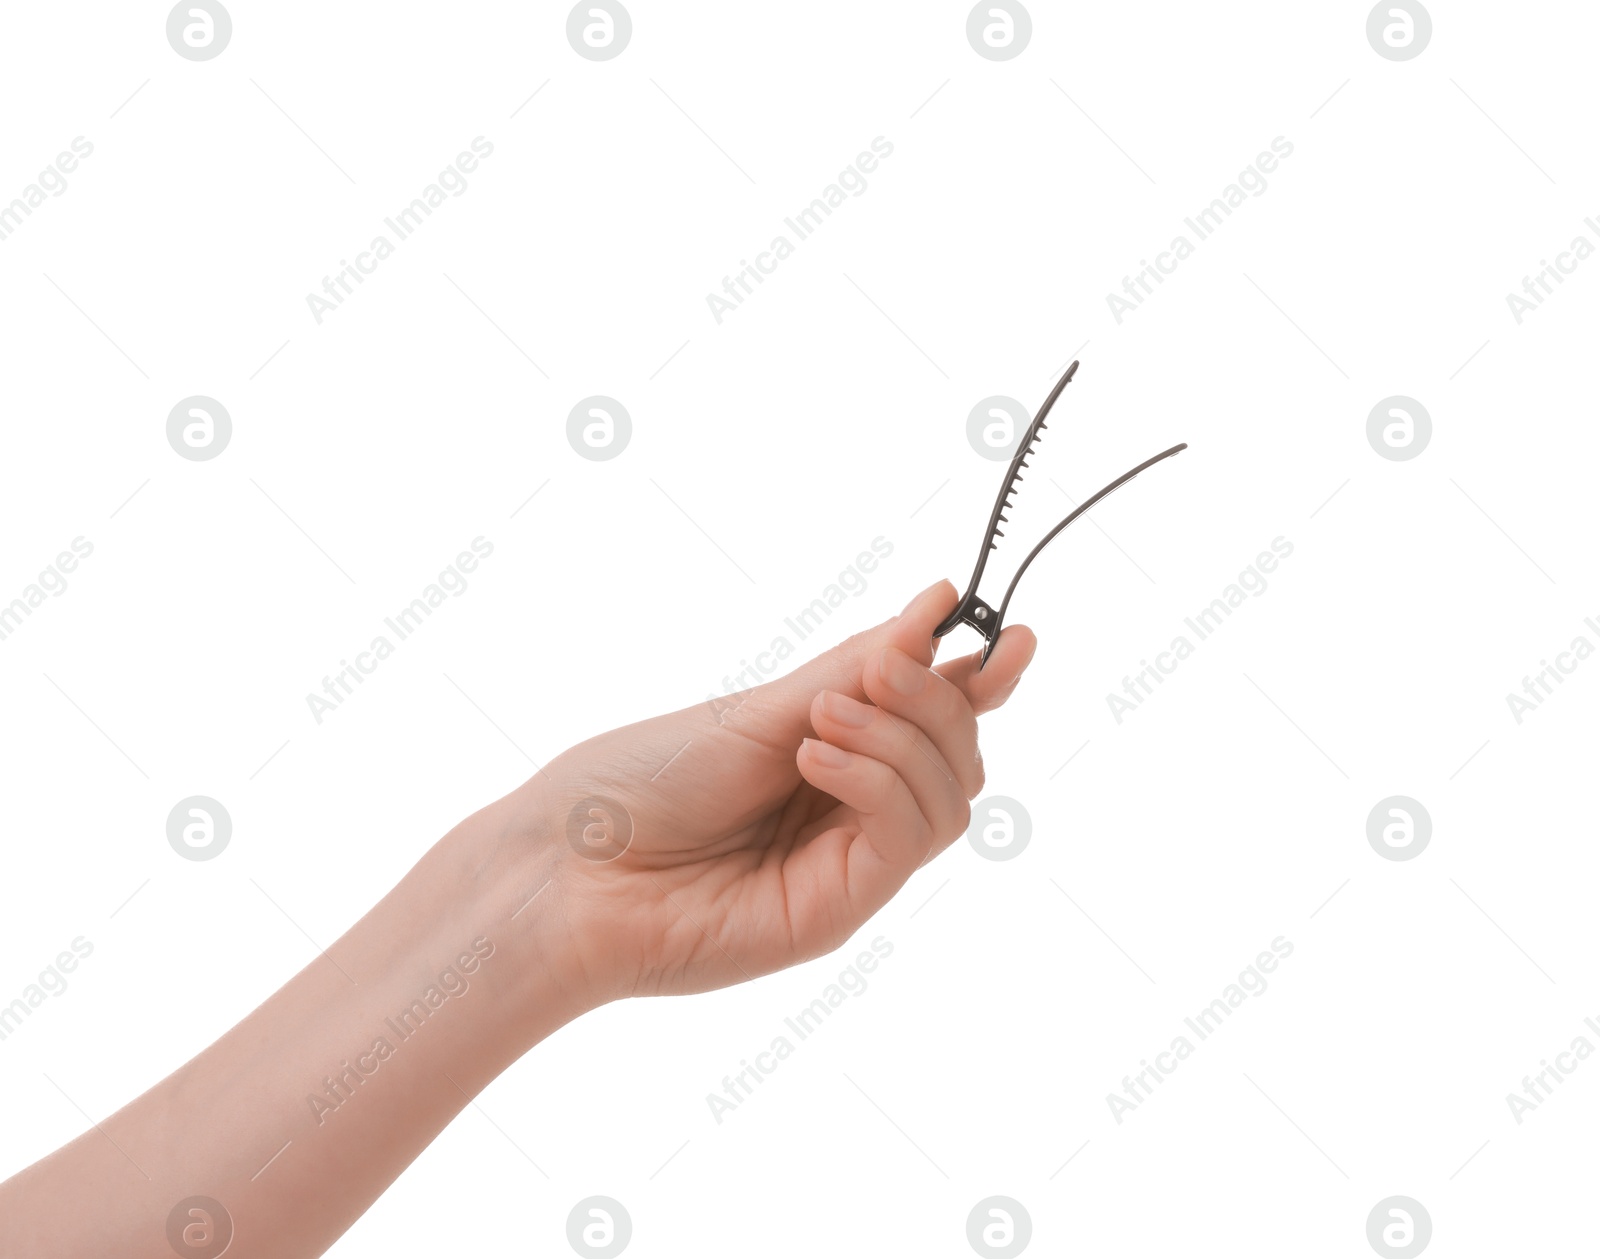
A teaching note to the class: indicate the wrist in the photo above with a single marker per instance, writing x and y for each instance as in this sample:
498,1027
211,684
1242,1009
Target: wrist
501,869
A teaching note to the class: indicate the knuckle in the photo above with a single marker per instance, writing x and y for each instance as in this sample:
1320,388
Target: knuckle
884,778
963,818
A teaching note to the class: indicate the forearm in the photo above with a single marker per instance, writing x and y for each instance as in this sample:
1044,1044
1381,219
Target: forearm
678,854
298,1118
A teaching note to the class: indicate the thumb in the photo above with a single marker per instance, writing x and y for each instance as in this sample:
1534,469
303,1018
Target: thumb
840,667
912,630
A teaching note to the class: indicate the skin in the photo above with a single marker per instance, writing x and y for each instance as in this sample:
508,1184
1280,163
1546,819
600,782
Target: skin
739,839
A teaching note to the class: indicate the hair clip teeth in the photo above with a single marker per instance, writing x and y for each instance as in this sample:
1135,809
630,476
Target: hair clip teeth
973,611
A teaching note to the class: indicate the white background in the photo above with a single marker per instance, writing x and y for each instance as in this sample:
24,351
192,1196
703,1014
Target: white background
767,451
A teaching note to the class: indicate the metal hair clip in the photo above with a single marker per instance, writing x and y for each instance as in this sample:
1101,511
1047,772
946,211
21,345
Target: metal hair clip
972,610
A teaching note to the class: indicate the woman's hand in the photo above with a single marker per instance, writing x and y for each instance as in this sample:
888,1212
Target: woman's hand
728,840
679,854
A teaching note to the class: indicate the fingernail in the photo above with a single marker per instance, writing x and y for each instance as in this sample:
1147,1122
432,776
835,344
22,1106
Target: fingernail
844,710
903,674
826,754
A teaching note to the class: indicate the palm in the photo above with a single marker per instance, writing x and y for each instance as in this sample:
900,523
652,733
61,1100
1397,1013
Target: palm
709,852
